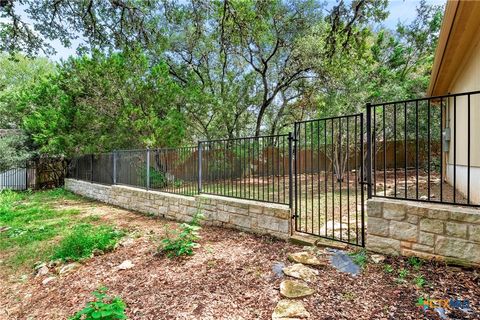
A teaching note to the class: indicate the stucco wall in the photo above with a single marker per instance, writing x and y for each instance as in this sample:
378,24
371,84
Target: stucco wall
245,215
467,78
425,230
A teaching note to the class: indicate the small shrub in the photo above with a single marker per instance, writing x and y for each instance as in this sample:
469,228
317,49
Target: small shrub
184,241
415,262
402,274
419,281
102,307
360,258
388,268
84,239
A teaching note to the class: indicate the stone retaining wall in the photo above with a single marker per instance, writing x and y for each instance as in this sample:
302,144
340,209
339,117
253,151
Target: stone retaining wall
426,230
245,215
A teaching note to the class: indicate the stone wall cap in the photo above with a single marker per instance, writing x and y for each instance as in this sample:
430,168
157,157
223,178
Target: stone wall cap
245,201
429,205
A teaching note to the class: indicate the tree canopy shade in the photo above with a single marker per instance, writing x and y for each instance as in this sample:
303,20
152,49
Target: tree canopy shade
166,73
102,23
102,102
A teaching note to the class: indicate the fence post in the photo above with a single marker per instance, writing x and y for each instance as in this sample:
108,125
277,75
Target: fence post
114,167
91,168
199,167
369,151
148,169
290,175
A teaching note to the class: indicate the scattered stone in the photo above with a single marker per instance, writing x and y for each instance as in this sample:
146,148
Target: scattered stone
305,258
97,252
342,262
47,280
126,242
43,270
312,249
54,263
127,264
278,269
377,258
68,268
39,265
341,230
289,309
299,271
4,229
295,289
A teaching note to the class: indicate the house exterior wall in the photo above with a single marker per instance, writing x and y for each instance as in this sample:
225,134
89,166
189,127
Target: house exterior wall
246,215
426,230
467,79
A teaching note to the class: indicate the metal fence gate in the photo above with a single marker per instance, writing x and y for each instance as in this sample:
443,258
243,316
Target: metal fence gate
328,171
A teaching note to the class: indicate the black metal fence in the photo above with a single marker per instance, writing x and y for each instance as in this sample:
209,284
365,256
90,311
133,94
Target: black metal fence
328,173
255,168
172,170
422,149
425,149
38,173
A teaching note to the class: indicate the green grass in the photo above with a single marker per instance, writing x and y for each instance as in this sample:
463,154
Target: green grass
84,239
36,226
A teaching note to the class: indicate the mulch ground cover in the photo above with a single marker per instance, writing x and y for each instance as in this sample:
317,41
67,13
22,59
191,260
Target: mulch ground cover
230,276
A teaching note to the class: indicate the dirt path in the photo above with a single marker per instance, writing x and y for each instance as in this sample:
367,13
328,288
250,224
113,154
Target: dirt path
229,277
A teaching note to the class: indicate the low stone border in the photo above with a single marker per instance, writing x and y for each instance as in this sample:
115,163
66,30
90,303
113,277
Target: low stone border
426,230
246,215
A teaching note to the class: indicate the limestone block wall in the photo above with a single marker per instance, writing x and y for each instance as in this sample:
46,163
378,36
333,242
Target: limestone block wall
246,215
426,230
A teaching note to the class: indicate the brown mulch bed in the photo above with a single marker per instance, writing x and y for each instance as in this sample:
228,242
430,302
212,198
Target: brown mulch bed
229,277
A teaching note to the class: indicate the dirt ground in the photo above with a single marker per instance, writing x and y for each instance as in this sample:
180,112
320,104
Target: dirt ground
229,277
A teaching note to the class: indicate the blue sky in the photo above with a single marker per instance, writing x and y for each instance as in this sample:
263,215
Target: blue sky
400,11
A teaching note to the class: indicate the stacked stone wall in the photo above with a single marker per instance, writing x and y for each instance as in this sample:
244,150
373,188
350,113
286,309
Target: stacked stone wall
246,215
426,230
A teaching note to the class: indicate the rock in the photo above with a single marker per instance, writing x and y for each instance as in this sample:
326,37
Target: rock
97,252
54,263
340,230
289,309
43,270
305,258
68,268
278,269
126,242
295,289
299,271
39,265
423,198
47,280
377,258
342,262
4,229
127,264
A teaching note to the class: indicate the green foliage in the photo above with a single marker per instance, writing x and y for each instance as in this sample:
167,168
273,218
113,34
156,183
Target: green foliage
360,258
182,242
84,239
388,268
223,69
402,274
415,262
102,307
104,102
34,222
419,281
157,178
